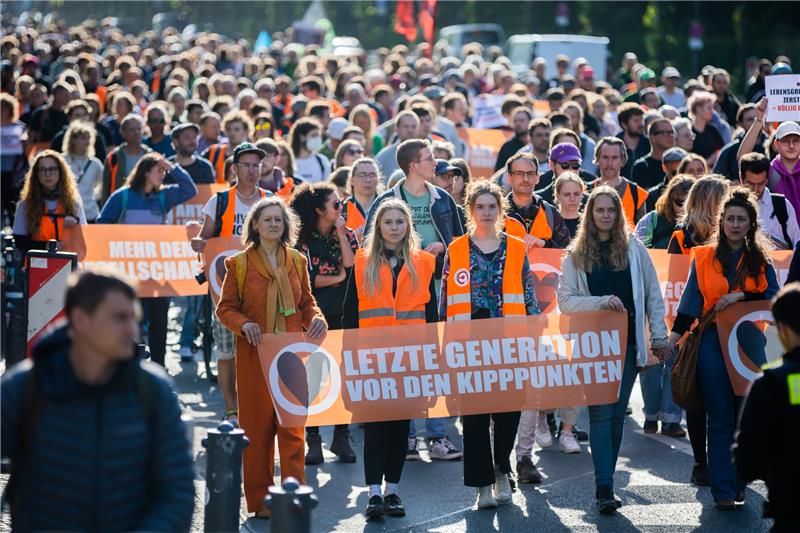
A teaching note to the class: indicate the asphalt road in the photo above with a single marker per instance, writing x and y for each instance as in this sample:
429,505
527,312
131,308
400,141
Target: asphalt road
652,480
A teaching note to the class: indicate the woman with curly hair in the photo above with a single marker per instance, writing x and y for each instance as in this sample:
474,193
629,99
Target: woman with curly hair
49,203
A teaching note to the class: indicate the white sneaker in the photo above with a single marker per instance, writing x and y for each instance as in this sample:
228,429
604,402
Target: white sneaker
485,498
567,442
443,450
542,433
502,487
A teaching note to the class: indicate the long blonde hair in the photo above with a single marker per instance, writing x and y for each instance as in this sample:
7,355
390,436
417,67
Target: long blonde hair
702,207
585,247
78,129
375,248
33,194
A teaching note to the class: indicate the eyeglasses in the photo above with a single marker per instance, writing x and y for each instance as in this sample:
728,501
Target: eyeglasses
337,204
48,170
572,166
249,166
366,175
355,151
532,174
664,132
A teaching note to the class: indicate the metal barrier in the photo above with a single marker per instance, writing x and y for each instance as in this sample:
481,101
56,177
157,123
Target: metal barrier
291,506
224,446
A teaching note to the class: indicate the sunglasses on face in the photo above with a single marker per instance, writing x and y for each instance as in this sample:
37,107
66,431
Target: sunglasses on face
571,166
264,127
354,151
679,202
337,204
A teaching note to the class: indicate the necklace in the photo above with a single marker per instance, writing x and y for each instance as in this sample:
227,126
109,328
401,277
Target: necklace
243,197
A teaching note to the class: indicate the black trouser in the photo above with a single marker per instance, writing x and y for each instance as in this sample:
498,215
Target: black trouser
385,445
696,424
155,314
478,462
315,429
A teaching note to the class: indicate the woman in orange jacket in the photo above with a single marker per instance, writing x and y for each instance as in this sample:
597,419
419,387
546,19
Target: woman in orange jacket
274,297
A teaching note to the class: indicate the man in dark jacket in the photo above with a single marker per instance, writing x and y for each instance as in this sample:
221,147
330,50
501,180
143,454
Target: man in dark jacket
93,433
774,398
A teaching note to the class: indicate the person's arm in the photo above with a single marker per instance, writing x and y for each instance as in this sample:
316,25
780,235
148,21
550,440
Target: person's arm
171,486
350,304
184,188
111,210
751,137
348,245
531,303
228,311
570,297
751,450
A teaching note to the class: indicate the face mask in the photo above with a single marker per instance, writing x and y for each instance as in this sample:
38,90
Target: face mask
314,143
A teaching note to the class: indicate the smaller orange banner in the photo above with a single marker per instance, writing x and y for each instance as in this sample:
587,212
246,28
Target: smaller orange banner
214,254
192,210
445,369
484,145
160,258
749,340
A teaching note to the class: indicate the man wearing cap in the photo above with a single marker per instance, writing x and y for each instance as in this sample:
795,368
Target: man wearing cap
520,121
670,162
669,92
184,142
784,174
645,80
334,134
648,171
528,216
223,216
444,177
564,156
586,78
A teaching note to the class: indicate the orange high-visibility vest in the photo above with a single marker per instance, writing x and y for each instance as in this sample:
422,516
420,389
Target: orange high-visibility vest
459,290
680,235
407,305
353,219
229,215
540,227
216,154
285,192
112,161
712,282
47,228
628,205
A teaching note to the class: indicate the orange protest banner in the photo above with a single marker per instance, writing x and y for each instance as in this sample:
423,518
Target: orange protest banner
192,210
545,264
445,369
749,339
214,254
484,145
158,257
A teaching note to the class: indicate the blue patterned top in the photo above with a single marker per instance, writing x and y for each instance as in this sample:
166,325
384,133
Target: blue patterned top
486,282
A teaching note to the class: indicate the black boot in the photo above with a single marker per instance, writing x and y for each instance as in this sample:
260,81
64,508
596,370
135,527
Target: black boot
341,445
314,455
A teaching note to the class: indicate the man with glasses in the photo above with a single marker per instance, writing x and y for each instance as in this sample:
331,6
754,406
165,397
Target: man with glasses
565,155
648,171
159,140
669,164
223,216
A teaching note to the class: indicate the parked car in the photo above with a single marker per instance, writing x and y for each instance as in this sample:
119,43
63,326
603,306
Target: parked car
461,34
523,49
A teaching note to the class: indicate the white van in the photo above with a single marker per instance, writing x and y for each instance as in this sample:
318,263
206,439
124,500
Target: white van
461,34
523,49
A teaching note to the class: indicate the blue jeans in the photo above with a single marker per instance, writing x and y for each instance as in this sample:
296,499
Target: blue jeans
434,428
722,408
191,309
657,394
606,423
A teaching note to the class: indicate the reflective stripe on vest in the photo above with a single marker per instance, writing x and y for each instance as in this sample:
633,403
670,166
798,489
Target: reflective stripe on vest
459,286
540,228
407,305
354,219
627,202
712,282
216,154
47,228
229,216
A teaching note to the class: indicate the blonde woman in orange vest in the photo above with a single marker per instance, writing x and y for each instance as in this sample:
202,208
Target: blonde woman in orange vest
733,267
48,204
606,268
392,284
364,188
275,298
486,275
699,218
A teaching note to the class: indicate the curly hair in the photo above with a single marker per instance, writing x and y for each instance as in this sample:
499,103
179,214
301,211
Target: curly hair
755,247
33,193
307,198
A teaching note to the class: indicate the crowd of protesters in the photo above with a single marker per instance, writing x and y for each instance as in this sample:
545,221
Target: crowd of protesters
350,188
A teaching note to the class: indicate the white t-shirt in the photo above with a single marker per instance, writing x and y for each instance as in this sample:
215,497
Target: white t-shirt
313,169
241,211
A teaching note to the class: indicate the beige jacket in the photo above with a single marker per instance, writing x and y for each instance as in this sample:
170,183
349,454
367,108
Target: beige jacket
574,297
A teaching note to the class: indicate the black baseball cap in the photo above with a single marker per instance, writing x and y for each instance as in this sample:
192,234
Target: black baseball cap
443,167
247,148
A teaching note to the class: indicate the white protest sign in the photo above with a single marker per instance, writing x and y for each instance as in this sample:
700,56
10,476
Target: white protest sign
783,95
488,111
